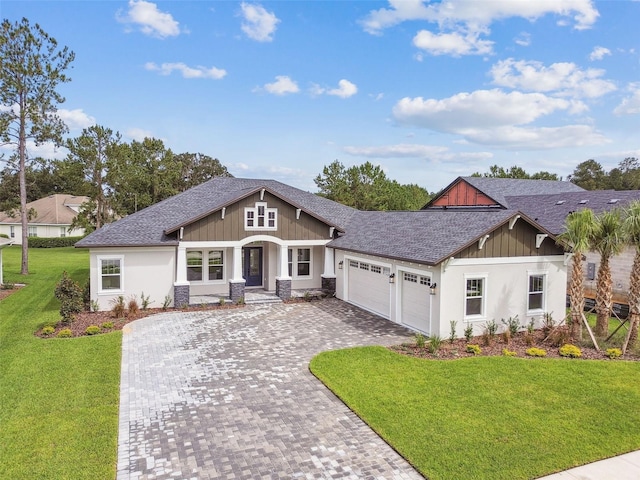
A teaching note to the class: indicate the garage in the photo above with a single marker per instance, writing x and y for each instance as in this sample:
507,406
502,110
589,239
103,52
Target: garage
416,301
368,287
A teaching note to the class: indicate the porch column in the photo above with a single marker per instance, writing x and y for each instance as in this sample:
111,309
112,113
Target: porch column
329,275
283,280
181,285
237,283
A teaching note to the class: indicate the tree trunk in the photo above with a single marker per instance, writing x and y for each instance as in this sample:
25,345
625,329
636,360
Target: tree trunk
634,304
604,297
24,219
576,294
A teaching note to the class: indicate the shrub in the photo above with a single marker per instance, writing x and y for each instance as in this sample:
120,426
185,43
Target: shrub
133,306
4,235
613,353
307,296
55,242
506,336
65,333
548,323
167,301
560,336
145,301
240,301
491,328
531,326
222,301
69,294
528,339
106,325
571,351
435,342
509,353
512,325
95,306
48,330
475,349
92,330
420,340
86,296
468,332
452,333
117,307
536,352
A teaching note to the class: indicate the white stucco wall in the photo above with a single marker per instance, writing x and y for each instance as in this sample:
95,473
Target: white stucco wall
317,268
43,231
150,270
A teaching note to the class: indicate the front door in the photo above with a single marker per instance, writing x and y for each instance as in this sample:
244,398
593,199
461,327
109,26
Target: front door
252,266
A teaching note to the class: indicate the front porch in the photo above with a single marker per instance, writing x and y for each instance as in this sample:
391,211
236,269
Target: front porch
257,296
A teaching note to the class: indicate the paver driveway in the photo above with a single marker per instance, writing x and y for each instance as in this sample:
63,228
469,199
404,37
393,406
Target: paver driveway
228,394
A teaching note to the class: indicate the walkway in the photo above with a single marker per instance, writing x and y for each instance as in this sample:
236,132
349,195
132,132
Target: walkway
228,394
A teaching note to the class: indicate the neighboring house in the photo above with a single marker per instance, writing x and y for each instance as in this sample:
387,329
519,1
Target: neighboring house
4,242
52,218
423,269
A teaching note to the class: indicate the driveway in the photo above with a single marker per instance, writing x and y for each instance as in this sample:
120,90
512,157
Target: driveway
228,394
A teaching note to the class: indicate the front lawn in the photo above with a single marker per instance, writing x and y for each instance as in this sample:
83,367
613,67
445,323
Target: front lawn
490,417
58,397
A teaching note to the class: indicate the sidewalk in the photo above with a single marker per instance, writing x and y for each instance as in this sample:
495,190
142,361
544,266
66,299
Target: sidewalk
623,467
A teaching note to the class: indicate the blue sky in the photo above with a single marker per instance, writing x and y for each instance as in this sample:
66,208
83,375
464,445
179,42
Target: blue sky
427,90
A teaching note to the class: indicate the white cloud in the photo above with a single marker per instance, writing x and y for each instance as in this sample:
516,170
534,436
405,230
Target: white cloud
345,89
187,72
481,109
138,134
524,39
536,138
282,86
454,44
151,21
76,119
406,150
631,104
599,53
564,78
47,150
258,24
450,12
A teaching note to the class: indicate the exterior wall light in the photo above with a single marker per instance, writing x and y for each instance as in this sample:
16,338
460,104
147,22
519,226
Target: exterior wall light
340,264
392,278
432,288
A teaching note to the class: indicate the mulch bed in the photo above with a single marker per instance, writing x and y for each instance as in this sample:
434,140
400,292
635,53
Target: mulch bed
5,292
517,343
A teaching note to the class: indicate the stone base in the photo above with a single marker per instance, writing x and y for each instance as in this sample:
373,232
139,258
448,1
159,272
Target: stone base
329,285
236,291
283,289
180,295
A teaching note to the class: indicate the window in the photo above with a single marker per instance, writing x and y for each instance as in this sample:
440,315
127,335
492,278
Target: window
260,217
536,292
32,232
474,301
63,232
302,264
110,274
364,266
353,263
194,266
12,231
216,265
376,269
410,277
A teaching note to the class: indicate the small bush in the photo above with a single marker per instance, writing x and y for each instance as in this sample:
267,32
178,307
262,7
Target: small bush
468,333
95,306
452,333
435,342
86,296
222,301
506,336
69,294
491,328
118,308
65,333
167,301
106,325
475,349
571,351
307,296
512,325
560,336
509,353
48,330
92,330
613,353
536,352
528,339
548,323
240,301
420,340
133,306
145,301
531,326
54,242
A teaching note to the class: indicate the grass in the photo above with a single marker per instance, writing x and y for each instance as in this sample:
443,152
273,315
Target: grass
59,397
491,417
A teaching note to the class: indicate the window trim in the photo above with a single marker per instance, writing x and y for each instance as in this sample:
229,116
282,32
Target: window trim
293,264
543,302
12,231
253,214
32,231
103,291
483,297
63,232
205,266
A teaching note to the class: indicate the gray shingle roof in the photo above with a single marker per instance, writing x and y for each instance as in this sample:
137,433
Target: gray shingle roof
147,227
425,236
550,211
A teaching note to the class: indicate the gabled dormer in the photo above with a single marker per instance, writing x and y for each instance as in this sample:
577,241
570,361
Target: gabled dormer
460,193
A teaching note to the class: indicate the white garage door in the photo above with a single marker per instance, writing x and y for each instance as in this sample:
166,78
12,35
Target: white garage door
416,301
369,287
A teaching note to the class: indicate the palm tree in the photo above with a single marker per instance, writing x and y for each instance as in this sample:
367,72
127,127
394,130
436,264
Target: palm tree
608,240
632,230
577,235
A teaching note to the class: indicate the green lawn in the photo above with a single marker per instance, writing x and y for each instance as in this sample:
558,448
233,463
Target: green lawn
490,417
58,397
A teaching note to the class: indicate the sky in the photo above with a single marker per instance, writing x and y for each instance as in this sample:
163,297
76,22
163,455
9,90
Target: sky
428,90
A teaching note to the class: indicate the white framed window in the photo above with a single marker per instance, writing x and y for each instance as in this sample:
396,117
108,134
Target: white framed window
205,265
260,217
32,231
12,231
63,232
194,266
475,296
110,274
353,263
376,269
536,292
300,262
216,265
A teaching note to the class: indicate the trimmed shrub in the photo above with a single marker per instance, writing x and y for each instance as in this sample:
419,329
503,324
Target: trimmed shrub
475,349
69,294
571,351
42,242
536,352
107,325
118,308
133,306
65,333
4,235
509,353
92,330
613,353
48,330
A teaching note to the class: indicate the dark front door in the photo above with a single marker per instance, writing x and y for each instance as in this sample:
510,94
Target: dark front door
252,266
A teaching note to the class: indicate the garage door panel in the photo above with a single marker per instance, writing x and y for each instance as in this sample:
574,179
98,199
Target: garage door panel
369,287
416,301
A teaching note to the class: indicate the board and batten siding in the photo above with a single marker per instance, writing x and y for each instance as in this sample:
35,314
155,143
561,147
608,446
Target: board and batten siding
517,242
231,228
462,194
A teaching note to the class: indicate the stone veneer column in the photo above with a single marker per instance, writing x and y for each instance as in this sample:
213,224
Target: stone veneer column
329,285
236,290
283,288
329,275
180,295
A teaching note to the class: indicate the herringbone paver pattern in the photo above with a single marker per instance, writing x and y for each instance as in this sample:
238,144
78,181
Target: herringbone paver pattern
228,394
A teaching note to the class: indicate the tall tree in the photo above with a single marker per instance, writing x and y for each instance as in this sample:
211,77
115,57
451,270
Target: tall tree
88,155
197,168
31,68
632,231
608,240
589,175
577,235
496,171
